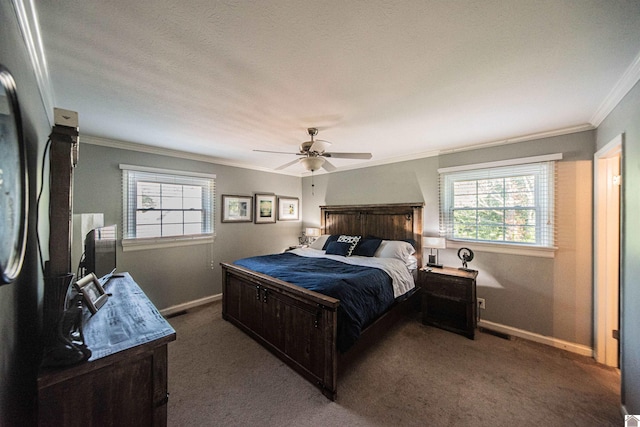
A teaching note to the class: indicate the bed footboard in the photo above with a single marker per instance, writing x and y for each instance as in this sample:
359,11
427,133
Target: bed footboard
297,325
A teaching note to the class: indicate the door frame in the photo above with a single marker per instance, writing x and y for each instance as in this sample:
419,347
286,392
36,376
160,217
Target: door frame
606,263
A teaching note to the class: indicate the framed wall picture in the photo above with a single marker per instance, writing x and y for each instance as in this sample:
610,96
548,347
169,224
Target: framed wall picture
237,208
92,292
265,208
288,208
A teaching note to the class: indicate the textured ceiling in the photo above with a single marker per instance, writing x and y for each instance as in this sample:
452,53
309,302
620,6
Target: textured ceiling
395,78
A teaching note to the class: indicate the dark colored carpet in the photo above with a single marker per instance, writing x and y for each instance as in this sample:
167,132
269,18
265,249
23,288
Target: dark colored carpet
415,376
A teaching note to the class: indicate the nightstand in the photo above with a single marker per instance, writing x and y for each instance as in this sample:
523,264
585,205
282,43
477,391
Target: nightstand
449,299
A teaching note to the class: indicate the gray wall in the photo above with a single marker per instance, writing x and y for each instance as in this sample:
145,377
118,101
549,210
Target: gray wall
527,282
172,276
20,348
550,297
625,118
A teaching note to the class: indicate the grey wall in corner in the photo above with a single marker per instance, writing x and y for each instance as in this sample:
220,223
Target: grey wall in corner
625,119
550,297
172,276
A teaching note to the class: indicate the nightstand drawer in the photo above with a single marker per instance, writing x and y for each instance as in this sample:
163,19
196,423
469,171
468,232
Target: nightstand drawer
448,286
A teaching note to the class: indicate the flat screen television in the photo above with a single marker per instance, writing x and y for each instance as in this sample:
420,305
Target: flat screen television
100,252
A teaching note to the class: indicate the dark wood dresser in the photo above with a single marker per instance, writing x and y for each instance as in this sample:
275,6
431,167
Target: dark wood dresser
125,381
449,299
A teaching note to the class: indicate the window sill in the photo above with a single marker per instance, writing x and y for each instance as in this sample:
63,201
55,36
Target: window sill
165,242
533,251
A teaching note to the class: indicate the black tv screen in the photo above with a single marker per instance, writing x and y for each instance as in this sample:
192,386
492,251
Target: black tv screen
100,250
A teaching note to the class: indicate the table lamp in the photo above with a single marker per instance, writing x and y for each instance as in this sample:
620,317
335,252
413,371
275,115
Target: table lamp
312,234
434,243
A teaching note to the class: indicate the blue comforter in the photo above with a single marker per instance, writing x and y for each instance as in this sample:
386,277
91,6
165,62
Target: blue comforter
364,292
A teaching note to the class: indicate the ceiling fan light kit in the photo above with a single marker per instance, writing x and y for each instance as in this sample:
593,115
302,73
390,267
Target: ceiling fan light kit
315,156
313,163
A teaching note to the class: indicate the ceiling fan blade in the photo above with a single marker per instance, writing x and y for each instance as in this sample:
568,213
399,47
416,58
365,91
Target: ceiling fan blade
286,165
364,156
319,146
276,152
328,166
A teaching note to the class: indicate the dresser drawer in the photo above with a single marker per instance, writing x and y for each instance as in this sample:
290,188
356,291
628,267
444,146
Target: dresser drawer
448,286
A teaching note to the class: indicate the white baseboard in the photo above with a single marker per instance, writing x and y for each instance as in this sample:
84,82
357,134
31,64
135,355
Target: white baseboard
191,304
542,339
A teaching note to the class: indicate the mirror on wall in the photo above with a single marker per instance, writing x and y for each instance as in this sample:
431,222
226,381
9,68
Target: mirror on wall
13,182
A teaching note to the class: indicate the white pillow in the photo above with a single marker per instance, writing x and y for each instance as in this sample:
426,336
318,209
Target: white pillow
319,242
411,262
395,249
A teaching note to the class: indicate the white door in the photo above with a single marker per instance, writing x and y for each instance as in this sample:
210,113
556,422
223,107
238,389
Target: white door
607,183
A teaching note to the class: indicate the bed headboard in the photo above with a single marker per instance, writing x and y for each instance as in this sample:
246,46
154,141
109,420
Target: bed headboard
396,221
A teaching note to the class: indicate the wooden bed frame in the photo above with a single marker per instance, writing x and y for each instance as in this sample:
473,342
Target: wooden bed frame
299,326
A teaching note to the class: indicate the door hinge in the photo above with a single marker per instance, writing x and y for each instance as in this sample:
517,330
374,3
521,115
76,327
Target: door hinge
616,334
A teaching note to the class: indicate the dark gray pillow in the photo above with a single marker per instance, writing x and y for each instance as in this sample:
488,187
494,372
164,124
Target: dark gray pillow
338,248
330,239
367,247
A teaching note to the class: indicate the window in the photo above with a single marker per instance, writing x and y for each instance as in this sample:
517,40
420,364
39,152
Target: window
162,206
510,203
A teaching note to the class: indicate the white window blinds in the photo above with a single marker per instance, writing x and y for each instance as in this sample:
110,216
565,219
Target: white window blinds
511,204
160,204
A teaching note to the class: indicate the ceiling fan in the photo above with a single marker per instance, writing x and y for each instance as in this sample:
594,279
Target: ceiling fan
314,155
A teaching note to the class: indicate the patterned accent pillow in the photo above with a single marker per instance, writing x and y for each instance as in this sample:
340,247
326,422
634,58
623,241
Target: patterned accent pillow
353,240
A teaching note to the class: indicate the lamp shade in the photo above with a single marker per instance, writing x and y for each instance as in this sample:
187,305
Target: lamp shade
312,232
434,242
312,163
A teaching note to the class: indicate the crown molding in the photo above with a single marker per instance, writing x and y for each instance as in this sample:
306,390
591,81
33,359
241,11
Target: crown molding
28,21
523,138
624,85
142,148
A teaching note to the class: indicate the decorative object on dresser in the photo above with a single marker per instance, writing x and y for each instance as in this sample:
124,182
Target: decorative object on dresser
125,379
92,292
434,243
466,256
237,208
265,207
69,347
306,337
449,299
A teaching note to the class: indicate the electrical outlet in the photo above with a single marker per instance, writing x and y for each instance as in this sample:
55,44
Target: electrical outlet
481,303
